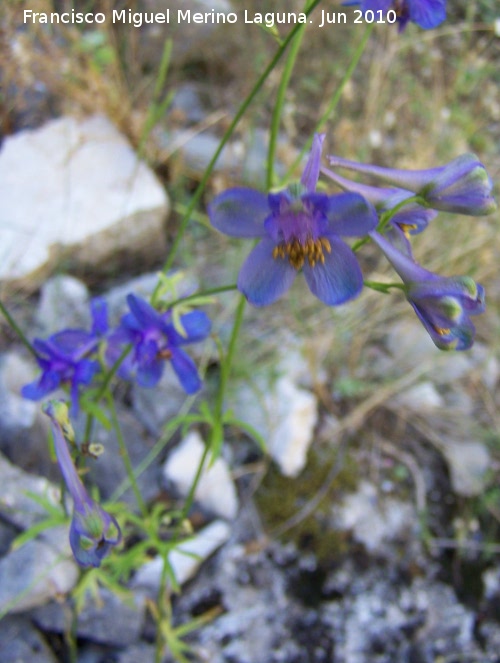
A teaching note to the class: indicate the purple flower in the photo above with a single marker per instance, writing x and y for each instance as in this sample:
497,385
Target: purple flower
409,220
425,13
155,339
93,531
64,358
299,229
442,304
461,186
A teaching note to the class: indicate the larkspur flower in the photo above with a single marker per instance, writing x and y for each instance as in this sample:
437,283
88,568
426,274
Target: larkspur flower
425,13
93,531
443,305
462,186
64,358
299,229
155,339
409,220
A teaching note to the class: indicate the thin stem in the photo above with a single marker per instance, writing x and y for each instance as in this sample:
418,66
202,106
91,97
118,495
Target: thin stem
104,387
17,329
203,293
125,456
280,101
335,98
226,364
225,138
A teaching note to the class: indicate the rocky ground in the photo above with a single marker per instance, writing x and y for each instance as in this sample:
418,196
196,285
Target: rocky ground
371,533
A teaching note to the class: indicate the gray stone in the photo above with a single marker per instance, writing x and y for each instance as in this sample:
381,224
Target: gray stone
187,36
242,158
21,642
107,471
283,414
140,652
33,574
109,619
23,433
420,398
16,505
64,304
215,490
376,521
75,188
469,462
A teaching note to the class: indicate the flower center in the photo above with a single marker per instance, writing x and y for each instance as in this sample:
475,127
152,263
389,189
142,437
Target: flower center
297,252
442,331
401,9
407,228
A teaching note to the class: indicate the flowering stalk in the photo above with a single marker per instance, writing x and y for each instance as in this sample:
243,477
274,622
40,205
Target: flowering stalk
443,305
93,531
462,186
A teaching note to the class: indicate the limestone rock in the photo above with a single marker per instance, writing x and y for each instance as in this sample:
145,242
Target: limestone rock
215,491
75,188
186,558
33,574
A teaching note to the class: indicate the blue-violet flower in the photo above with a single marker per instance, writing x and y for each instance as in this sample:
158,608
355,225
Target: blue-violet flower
425,13
299,229
64,358
462,186
93,531
155,339
410,219
442,304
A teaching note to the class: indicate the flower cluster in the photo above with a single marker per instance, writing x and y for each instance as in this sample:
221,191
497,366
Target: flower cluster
301,229
143,342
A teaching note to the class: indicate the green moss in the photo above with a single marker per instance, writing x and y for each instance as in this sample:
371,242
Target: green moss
280,498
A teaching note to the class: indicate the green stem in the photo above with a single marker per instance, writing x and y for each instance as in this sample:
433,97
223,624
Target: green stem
335,98
383,287
225,138
216,435
13,324
125,457
387,216
203,293
280,101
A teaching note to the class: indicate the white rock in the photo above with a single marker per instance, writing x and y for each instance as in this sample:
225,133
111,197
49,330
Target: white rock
186,558
215,490
469,462
64,303
294,415
74,187
374,521
421,397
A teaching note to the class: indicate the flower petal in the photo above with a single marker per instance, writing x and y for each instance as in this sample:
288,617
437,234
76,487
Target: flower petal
186,371
47,382
339,278
144,313
427,13
350,215
239,212
310,175
264,279
197,326
99,313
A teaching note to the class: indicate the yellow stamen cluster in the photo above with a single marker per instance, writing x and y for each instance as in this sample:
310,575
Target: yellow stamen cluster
297,253
442,331
407,228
